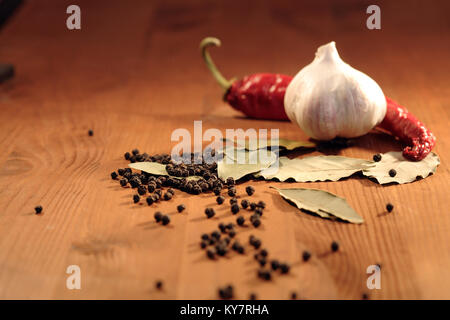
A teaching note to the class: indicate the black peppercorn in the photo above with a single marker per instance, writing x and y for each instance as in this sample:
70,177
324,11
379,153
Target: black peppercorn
284,268
210,254
306,255
123,182
235,208
149,200
203,244
250,190
159,285
230,226
392,172
135,151
259,211
293,296
136,198
389,207
38,209
377,157
221,250
209,212
230,182
181,208
256,243
114,175
265,274
244,204
127,156
233,200
151,187
167,196
232,192
252,206
252,296
215,234
262,262
171,191
91,133
240,220
256,223
141,190
275,264
165,220
217,191
263,253
220,199
334,246
231,233
261,204
158,216
205,236
365,296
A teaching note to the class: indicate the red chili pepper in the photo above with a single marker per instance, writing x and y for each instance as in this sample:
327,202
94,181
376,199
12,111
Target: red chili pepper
261,96
258,96
402,124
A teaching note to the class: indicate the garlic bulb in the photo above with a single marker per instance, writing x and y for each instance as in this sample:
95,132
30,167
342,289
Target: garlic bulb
328,98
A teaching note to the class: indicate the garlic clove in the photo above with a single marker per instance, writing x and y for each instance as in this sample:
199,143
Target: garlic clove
328,98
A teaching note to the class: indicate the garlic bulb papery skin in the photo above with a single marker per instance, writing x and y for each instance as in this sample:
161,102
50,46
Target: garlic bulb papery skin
328,98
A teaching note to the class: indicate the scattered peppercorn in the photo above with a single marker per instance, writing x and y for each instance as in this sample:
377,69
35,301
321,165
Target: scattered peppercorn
231,192
256,223
250,190
252,206
141,190
293,296
261,204
135,151
392,172
210,254
230,181
275,264
377,157
159,284
365,296
149,200
264,252
240,220
222,228
334,246
181,208
235,208
220,199
91,133
284,268
244,204
209,212
114,175
256,243
252,296
203,244
226,293
306,255
264,274
165,220
259,211
167,196
123,182
127,156
389,207
233,200
230,226
136,198
38,209
262,262
205,236
232,233
158,216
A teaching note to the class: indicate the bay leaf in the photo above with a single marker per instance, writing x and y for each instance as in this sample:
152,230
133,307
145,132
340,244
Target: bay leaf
264,143
238,163
323,203
156,169
317,168
407,171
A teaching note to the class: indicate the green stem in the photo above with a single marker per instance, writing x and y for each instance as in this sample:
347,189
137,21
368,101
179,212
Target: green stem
207,42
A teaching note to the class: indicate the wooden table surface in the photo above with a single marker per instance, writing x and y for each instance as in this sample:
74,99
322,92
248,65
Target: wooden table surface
133,74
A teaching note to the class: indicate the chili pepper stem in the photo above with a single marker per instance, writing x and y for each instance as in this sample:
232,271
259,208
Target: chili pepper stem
204,45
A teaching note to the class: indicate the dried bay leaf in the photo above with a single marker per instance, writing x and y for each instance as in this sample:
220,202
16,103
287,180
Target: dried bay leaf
407,171
322,203
258,144
317,168
238,163
156,169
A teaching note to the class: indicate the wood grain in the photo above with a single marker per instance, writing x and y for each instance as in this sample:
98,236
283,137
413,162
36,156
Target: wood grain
133,74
